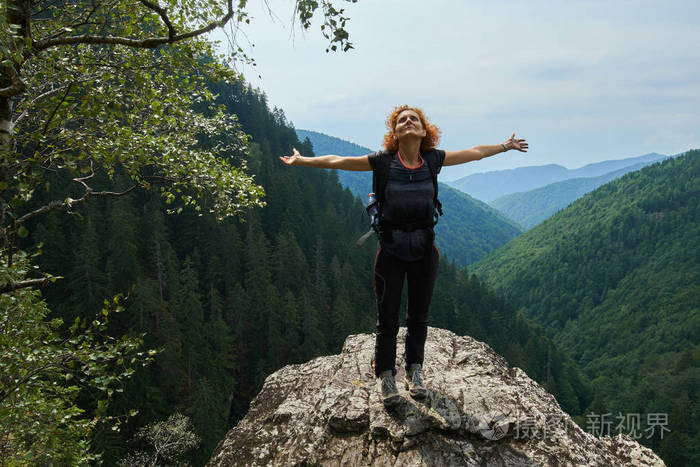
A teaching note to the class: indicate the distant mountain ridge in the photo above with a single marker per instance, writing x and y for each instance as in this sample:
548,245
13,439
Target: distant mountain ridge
470,228
489,186
529,208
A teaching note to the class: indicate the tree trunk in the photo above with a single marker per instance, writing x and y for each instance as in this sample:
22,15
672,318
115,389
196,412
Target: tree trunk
17,12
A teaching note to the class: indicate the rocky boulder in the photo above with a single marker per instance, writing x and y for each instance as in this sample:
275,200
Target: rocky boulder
479,411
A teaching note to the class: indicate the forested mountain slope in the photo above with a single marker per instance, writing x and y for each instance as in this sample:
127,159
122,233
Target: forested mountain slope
469,228
616,279
227,303
468,231
529,208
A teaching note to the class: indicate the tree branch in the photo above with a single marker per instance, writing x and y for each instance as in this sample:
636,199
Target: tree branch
62,364
13,89
148,43
164,16
16,285
113,193
48,120
17,87
69,202
4,394
75,25
38,98
159,178
52,206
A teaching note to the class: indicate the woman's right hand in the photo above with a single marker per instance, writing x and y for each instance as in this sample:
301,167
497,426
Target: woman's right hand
293,159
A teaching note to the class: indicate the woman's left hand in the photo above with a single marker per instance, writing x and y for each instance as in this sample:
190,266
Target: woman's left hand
513,143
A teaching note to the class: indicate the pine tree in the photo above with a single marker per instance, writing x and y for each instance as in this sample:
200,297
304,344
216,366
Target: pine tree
189,312
321,291
312,337
271,358
290,344
122,247
289,267
87,280
208,417
257,283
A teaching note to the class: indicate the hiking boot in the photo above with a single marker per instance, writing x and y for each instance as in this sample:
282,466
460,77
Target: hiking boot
390,395
414,382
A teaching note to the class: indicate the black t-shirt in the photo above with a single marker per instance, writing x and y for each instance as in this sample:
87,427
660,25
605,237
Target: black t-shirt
409,199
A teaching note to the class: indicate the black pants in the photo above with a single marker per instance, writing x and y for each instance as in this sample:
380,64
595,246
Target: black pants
389,273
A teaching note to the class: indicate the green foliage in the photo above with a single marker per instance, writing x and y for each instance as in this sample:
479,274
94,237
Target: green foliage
132,108
148,112
43,373
165,441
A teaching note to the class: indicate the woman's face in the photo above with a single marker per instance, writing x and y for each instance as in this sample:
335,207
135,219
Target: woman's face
408,123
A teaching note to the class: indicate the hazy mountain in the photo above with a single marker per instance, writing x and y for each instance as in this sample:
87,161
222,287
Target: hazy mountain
489,186
603,167
324,144
360,183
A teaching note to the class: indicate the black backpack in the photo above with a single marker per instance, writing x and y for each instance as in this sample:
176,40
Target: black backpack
380,162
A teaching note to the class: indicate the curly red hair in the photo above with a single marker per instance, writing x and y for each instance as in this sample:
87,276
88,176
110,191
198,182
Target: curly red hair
432,133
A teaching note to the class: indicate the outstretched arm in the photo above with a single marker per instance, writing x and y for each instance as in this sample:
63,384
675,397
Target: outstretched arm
328,162
479,152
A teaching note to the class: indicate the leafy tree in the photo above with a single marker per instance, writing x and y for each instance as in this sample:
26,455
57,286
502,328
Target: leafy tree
164,443
111,97
41,375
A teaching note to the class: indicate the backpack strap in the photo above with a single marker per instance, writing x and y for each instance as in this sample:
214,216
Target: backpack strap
380,175
432,158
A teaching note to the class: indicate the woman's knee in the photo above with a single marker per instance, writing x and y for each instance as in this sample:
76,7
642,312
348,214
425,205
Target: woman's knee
417,321
387,325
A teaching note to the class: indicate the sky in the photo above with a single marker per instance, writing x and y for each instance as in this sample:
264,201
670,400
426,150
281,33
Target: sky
582,81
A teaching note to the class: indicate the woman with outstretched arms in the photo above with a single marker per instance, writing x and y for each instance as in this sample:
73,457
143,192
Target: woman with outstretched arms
406,172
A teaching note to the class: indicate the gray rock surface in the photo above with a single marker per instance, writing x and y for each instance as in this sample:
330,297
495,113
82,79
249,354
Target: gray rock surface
479,412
